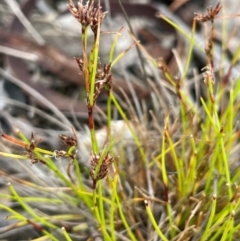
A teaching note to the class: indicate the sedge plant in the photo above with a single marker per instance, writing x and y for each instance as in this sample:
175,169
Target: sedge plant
176,179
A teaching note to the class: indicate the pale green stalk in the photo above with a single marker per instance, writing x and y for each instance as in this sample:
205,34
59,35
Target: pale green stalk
122,54
212,166
153,221
163,162
218,127
180,30
109,117
178,164
113,46
29,210
66,235
97,215
16,214
210,220
165,176
122,215
112,208
184,126
191,176
33,214
94,64
190,51
229,226
14,156
235,56
85,57
100,204
219,232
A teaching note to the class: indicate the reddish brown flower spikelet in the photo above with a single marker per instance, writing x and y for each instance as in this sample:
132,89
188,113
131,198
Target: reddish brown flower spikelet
211,14
69,140
103,170
29,151
87,15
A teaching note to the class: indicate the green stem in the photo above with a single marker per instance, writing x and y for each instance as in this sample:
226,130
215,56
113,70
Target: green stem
210,219
153,221
66,235
128,229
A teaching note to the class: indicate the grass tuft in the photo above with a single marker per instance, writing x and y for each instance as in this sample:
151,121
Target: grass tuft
170,178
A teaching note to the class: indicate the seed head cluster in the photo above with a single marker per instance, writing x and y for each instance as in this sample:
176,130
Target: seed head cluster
211,14
87,15
103,168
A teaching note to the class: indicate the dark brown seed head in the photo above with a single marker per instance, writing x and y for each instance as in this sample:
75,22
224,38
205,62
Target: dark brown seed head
86,14
97,14
33,144
103,169
68,140
211,14
81,12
